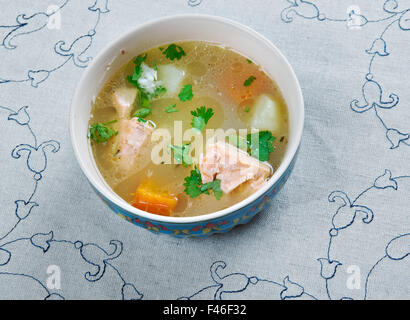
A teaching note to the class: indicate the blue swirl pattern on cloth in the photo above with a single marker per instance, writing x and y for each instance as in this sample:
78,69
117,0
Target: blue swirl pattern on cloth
367,228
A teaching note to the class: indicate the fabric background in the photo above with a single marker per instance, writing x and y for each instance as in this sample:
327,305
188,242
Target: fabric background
342,214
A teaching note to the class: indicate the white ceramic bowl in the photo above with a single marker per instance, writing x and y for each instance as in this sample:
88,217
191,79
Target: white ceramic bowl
167,30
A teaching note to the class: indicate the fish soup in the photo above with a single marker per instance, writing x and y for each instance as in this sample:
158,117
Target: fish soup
188,129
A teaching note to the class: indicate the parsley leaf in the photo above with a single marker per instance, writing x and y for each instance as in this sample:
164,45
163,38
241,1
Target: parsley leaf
201,117
181,154
249,81
261,144
142,113
186,93
99,132
194,187
171,108
249,61
174,52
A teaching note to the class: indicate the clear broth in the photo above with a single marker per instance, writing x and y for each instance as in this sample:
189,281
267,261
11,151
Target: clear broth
212,71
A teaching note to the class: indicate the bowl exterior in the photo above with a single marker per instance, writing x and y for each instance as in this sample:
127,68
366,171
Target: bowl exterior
204,228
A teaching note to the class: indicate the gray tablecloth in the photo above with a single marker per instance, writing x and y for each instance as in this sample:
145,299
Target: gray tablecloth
339,228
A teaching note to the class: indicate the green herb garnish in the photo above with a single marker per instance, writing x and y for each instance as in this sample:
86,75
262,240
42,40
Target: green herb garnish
249,61
198,123
174,52
181,154
249,81
142,113
247,109
259,144
193,183
201,117
238,141
158,91
194,187
133,79
215,186
171,108
144,96
99,132
186,93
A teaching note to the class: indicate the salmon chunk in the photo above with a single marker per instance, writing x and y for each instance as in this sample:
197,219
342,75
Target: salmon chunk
123,100
232,166
133,135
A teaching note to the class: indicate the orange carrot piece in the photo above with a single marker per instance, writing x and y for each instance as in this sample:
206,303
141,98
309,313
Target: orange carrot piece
151,199
232,85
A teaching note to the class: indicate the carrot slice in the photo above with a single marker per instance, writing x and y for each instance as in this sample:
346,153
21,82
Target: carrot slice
150,198
232,85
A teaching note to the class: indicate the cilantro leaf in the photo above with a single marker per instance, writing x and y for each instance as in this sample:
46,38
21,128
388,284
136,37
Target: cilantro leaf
136,74
158,91
198,123
99,132
249,81
203,112
194,187
193,183
142,113
143,99
109,122
140,59
181,154
133,79
215,186
261,144
143,95
201,117
186,93
171,108
238,141
174,52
